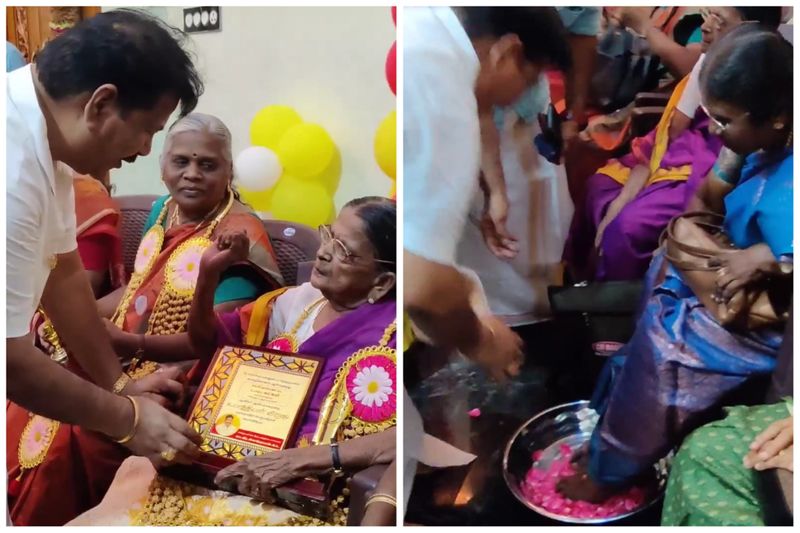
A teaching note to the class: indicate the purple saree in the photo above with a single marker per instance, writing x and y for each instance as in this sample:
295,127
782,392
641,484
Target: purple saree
630,239
335,343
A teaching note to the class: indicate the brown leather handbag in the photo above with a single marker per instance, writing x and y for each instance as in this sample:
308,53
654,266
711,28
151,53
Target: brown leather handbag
689,242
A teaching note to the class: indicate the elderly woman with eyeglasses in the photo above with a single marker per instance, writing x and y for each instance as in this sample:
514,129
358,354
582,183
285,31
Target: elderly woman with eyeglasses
630,200
346,310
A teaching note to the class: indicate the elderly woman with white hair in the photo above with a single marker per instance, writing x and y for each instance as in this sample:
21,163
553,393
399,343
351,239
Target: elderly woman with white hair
56,473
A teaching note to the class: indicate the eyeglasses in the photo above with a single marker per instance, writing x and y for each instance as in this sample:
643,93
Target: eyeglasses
722,126
340,251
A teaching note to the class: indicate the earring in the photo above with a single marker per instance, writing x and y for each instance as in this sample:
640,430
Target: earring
371,300
779,125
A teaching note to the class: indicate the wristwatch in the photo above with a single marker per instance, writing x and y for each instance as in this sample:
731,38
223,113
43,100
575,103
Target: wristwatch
336,460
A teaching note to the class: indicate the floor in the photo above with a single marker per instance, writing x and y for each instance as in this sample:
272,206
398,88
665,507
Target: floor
445,392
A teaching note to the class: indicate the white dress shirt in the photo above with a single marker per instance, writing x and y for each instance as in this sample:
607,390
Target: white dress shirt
441,132
40,204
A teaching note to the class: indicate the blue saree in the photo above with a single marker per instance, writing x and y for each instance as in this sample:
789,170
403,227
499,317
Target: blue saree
680,366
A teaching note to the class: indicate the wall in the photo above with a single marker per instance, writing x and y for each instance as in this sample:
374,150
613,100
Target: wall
327,63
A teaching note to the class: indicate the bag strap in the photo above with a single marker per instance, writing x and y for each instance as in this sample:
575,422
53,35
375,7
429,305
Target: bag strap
698,218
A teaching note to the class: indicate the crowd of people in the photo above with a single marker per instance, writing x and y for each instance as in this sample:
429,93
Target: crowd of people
712,177
102,366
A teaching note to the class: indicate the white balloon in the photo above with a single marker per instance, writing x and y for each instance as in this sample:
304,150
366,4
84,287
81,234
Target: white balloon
257,168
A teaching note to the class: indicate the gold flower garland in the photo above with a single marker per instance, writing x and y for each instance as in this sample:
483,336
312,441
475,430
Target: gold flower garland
171,310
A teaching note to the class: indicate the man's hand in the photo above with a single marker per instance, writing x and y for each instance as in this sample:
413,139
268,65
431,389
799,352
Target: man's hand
493,228
160,436
499,350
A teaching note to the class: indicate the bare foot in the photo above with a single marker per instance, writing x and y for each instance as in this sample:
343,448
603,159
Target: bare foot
580,487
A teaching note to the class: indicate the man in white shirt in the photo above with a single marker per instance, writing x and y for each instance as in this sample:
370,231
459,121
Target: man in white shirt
94,97
226,428
454,69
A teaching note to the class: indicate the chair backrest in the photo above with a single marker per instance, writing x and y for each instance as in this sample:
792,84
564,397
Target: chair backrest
134,211
293,244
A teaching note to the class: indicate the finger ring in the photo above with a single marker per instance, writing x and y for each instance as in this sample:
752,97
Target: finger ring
168,455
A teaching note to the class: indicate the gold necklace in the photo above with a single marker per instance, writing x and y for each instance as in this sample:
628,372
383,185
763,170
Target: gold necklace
288,342
171,310
174,219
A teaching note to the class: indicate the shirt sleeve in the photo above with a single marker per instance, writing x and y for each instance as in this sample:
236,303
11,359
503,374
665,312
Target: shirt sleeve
68,241
690,99
775,210
441,154
25,205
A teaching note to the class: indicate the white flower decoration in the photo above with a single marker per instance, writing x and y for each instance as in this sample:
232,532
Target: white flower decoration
372,386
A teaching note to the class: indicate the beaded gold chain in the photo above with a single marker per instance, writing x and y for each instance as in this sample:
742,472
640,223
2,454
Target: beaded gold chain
171,310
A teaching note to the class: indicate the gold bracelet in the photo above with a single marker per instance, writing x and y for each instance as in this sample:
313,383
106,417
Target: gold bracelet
130,435
383,498
121,383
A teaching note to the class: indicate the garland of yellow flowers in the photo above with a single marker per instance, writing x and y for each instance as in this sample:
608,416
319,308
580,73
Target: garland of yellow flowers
171,310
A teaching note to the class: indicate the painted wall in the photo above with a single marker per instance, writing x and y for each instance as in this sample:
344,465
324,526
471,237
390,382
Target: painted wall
327,63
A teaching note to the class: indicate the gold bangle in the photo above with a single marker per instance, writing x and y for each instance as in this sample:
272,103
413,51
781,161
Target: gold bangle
383,498
130,435
121,383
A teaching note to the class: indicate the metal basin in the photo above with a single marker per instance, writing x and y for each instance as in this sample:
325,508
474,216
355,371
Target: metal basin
570,424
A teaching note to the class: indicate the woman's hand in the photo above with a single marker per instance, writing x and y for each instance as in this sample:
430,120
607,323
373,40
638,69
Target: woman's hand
613,210
773,448
229,249
118,337
165,386
740,268
635,18
257,476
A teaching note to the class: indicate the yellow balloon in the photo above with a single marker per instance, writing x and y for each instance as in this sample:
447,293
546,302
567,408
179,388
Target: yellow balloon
332,214
296,200
306,150
386,145
271,123
393,192
259,201
332,174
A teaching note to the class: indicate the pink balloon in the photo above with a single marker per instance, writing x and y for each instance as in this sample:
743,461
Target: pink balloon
391,68
394,15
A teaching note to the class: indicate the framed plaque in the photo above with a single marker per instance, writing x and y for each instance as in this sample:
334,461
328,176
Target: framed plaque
251,401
